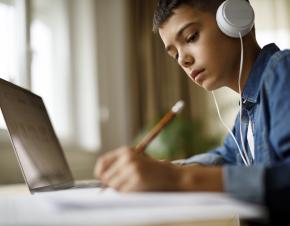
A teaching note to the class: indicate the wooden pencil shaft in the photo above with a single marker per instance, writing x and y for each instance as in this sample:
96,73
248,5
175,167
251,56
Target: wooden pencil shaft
155,131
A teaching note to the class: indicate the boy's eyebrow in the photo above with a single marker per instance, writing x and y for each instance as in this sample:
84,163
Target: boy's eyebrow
167,48
183,28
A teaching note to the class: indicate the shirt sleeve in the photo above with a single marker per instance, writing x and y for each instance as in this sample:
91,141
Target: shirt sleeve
226,154
277,192
241,182
245,183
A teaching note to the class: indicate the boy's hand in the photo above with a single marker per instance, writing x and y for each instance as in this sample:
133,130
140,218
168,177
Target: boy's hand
126,170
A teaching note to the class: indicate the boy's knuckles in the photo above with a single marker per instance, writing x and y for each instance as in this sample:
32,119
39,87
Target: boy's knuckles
128,158
127,152
134,167
101,161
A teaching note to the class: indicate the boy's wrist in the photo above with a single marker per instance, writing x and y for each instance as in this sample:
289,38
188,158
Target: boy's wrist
189,177
201,178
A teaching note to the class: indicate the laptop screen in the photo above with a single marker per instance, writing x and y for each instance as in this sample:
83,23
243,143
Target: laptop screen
37,148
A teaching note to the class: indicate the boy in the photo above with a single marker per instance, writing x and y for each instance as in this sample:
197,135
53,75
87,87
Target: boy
211,59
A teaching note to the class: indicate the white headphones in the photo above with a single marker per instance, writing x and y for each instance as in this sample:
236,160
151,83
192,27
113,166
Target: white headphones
235,17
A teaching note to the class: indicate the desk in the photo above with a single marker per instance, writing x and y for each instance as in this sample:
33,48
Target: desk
29,209
15,189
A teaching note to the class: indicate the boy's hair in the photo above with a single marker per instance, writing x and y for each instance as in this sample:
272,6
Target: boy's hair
165,9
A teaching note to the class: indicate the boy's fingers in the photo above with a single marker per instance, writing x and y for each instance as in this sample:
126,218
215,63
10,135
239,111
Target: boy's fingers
119,182
105,161
129,186
123,178
122,163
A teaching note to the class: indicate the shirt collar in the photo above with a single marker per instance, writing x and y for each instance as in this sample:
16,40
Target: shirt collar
252,87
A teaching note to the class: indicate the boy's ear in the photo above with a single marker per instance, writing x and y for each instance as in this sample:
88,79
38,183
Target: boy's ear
235,17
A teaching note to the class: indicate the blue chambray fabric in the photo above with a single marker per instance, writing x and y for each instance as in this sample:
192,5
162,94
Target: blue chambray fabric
266,102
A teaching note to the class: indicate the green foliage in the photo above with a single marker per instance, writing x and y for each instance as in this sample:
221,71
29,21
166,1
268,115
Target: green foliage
182,138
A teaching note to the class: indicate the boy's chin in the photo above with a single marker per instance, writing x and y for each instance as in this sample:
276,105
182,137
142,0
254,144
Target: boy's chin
209,87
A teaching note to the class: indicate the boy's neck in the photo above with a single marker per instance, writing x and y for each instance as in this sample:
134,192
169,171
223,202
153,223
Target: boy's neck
251,52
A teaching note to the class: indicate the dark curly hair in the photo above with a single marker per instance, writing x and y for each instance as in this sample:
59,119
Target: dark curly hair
165,9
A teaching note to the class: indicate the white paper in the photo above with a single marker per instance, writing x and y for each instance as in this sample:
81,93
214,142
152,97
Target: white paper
95,207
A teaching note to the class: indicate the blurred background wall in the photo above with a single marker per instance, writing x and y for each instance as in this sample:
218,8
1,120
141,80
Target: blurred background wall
104,75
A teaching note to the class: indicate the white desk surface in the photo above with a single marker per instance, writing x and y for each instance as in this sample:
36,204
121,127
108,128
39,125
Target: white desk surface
94,208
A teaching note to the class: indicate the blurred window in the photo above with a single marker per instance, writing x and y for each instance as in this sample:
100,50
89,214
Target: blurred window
8,54
36,43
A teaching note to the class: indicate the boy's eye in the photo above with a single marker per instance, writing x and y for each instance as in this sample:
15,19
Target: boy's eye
192,37
176,56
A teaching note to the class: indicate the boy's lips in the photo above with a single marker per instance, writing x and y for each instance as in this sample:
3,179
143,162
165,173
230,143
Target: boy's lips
195,73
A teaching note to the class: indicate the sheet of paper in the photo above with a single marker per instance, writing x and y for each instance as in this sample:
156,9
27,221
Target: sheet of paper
95,207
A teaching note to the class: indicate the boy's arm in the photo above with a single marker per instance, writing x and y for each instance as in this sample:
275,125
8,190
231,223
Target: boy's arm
241,182
201,178
126,170
245,183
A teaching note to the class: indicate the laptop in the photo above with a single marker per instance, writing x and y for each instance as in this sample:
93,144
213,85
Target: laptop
37,148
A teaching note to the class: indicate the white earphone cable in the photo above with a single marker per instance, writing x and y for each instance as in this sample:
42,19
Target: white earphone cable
242,151
240,93
229,130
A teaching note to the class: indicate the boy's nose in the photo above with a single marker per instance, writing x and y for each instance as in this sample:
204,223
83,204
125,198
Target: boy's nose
186,61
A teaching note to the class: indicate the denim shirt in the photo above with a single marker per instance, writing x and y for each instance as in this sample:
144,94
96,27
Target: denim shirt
266,103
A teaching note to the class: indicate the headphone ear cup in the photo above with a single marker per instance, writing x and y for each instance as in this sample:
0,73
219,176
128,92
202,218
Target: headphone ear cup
235,17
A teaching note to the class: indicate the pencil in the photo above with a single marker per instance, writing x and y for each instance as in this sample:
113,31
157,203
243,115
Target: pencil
167,118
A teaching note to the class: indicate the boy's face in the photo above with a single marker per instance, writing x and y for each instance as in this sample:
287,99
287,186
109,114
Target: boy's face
209,58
